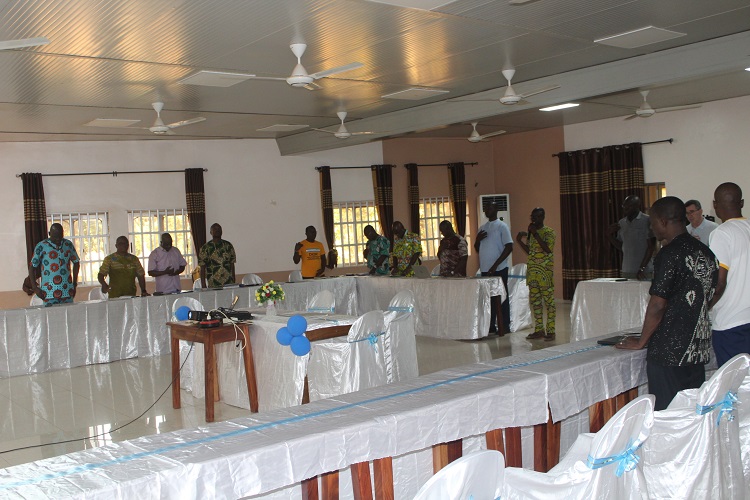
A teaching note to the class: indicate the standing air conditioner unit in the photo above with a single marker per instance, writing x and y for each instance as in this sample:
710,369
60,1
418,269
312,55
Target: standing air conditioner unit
503,204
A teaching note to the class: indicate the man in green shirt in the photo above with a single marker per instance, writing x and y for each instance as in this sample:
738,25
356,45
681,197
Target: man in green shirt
406,250
216,259
123,269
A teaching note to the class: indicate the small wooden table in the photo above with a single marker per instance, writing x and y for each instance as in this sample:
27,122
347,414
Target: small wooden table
209,337
191,332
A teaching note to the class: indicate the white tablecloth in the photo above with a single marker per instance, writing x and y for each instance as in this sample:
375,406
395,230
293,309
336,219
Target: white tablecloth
276,449
604,305
454,308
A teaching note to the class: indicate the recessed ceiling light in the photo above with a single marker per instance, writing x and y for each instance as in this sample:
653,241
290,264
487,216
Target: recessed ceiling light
559,106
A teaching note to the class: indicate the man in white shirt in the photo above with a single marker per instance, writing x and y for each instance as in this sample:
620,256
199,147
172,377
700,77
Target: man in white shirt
494,244
699,227
730,242
166,264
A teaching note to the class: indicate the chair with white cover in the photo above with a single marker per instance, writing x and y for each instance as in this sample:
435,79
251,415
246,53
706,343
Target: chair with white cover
322,302
478,475
192,374
400,340
197,284
743,413
518,294
435,271
694,449
251,279
601,465
347,364
96,294
36,301
296,276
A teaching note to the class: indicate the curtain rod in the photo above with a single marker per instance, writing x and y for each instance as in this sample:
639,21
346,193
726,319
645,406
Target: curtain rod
670,140
115,173
445,164
344,168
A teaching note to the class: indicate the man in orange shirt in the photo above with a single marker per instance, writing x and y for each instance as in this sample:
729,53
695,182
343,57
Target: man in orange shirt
311,253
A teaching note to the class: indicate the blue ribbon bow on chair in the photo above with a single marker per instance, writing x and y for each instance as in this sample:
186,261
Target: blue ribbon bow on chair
401,309
372,339
626,461
725,407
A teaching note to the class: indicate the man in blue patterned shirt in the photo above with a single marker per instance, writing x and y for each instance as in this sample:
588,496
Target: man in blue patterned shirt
53,257
377,250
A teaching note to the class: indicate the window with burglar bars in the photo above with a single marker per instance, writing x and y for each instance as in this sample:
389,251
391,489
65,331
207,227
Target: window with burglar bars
433,211
89,233
349,221
147,226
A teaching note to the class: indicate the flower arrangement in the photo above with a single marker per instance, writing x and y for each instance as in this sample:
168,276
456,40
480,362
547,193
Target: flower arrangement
269,292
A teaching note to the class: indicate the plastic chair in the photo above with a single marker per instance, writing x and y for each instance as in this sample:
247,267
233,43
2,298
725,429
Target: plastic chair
518,293
601,465
322,302
435,271
96,294
197,284
343,365
296,277
251,279
479,475
694,449
400,340
36,301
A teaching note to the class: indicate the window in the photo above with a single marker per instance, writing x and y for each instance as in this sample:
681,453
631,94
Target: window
89,233
349,221
654,191
433,211
147,226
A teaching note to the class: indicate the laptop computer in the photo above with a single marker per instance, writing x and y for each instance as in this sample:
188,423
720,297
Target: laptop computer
616,339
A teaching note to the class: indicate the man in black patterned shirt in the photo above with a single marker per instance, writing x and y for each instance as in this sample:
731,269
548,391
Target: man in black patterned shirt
676,327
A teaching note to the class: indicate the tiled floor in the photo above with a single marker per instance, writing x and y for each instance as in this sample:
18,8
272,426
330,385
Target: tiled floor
86,401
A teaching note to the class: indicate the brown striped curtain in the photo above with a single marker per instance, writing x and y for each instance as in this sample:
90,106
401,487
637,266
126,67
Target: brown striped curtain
457,180
382,184
593,185
413,171
195,197
326,203
34,217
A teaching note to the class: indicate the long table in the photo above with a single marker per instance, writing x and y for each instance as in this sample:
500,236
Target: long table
40,339
607,305
279,449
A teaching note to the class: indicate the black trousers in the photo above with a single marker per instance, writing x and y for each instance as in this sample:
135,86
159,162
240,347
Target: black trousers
665,382
503,273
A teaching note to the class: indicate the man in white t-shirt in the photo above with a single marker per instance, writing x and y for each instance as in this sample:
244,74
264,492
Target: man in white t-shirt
699,228
730,242
494,244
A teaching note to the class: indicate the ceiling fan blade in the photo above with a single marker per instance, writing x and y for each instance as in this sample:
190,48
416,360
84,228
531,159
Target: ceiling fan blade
186,122
322,130
631,117
492,134
24,42
169,132
535,92
471,100
267,78
362,133
677,108
340,69
312,86
629,108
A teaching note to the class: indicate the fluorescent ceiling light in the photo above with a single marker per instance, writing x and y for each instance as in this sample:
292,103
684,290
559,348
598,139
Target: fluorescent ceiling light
747,69
559,106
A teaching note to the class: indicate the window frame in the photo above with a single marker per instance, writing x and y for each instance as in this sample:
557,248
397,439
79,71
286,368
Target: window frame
182,238
354,230
89,267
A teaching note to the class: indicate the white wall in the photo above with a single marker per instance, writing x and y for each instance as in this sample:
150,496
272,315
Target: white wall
262,200
711,146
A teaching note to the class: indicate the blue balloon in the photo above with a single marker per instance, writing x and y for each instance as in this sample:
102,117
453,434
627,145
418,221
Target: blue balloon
297,325
284,336
300,345
182,313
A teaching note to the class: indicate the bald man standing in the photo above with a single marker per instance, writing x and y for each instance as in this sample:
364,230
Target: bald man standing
730,243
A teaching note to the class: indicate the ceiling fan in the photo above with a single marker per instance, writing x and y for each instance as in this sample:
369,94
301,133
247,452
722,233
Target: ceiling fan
159,128
301,78
510,97
475,137
23,42
645,110
342,132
